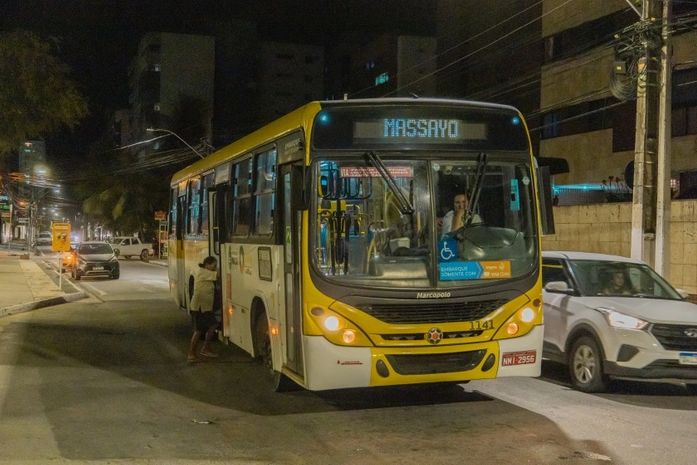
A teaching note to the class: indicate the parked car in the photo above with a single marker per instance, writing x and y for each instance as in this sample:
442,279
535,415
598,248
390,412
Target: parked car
96,258
45,238
128,247
613,317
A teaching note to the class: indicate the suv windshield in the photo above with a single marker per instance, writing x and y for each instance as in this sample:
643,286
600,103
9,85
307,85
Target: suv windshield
380,220
620,279
94,249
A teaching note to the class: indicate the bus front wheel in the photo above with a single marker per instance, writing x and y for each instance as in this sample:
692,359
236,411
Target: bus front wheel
264,355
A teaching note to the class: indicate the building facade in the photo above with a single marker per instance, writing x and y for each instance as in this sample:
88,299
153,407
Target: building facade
582,119
385,65
290,75
491,51
169,73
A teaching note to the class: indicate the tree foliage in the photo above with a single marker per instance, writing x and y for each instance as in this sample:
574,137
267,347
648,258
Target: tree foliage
37,95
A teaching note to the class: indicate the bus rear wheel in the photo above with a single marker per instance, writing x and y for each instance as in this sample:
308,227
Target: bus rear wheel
263,353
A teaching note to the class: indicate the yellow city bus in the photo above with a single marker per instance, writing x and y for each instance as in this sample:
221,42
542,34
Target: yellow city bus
340,266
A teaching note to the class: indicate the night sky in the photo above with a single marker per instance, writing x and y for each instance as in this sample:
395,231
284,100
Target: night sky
99,38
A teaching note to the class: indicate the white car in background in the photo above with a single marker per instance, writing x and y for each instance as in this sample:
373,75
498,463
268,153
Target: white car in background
641,329
44,239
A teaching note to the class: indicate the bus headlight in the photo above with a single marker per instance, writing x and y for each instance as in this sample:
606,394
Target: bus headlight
331,323
522,321
337,329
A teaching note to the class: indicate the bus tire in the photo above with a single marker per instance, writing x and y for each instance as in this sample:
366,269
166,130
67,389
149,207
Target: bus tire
263,353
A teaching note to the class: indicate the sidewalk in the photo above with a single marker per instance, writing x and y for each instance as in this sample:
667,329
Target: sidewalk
27,283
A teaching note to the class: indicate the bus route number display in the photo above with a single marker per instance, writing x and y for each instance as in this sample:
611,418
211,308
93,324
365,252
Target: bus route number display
418,130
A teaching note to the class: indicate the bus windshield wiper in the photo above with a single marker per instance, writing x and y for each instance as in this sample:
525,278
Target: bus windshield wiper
476,187
405,207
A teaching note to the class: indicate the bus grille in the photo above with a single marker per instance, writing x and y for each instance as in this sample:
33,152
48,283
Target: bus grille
673,337
437,312
422,336
435,363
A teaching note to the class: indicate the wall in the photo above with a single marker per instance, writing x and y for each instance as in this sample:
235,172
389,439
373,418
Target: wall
559,15
606,228
583,77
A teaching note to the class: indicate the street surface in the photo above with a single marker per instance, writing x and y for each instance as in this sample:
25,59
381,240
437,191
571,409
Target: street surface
105,380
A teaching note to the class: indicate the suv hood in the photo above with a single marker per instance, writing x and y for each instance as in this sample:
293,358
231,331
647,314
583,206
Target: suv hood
98,257
652,310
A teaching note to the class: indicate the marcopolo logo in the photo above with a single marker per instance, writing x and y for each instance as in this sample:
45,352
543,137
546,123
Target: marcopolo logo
432,295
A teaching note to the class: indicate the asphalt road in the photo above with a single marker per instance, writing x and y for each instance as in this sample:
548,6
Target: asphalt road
104,380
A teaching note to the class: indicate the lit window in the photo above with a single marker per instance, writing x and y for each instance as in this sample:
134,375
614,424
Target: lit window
156,107
156,67
382,79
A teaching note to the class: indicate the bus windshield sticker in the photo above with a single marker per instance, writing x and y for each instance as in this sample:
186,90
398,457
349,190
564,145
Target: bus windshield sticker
515,196
372,172
447,250
462,271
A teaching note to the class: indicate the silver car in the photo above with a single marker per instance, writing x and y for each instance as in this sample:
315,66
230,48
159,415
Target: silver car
610,316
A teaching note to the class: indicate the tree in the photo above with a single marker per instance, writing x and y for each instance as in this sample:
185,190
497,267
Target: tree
37,96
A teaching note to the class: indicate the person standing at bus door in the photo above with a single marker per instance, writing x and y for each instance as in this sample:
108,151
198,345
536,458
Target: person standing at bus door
202,315
455,218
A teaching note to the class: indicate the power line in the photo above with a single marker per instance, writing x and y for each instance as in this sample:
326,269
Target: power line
499,39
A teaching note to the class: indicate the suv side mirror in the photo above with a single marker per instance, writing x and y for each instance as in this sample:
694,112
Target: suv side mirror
560,287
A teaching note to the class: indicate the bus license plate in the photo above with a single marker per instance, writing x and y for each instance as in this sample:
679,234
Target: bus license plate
688,358
518,358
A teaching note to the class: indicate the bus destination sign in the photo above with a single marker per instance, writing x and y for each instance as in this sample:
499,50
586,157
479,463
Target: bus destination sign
418,129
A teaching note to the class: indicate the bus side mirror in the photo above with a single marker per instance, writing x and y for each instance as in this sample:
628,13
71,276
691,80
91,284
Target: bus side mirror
544,189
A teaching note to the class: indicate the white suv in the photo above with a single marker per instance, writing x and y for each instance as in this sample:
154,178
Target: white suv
610,316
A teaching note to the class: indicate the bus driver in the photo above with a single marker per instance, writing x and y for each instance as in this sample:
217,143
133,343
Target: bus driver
455,218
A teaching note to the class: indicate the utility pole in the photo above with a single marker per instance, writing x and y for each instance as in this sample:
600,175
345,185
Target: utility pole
663,192
645,149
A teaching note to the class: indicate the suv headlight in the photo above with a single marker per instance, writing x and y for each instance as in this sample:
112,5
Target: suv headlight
620,320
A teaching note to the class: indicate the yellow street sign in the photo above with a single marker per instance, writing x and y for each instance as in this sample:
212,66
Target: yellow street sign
61,237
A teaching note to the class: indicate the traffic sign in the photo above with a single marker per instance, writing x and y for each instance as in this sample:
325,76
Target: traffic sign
61,237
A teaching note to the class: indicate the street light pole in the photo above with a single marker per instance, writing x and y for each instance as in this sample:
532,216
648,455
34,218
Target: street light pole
177,136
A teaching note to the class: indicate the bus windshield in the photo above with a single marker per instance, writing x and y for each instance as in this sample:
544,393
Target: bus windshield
385,220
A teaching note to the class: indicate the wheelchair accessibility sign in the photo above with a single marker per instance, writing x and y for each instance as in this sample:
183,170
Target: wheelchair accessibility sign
447,250
452,269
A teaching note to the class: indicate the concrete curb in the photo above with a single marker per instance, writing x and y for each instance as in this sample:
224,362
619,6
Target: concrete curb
21,308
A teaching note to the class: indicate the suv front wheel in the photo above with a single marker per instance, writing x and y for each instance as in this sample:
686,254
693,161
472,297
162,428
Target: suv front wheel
586,365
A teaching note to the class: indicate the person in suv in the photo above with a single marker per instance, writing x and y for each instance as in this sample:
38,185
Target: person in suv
608,316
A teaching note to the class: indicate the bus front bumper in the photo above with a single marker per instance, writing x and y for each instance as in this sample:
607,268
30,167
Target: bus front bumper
329,366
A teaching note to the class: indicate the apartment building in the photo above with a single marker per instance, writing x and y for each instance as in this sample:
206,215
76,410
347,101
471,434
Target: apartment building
290,75
390,65
169,72
583,122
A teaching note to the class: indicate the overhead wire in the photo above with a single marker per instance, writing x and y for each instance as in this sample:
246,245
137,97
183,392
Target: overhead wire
458,45
470,54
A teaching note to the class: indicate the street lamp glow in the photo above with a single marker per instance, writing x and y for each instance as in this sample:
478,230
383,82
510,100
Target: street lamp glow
177,136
